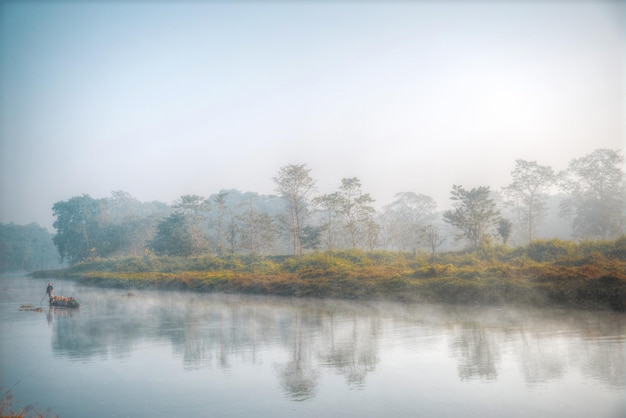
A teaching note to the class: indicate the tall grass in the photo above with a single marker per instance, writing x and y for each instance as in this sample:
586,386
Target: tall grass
9,409
590,274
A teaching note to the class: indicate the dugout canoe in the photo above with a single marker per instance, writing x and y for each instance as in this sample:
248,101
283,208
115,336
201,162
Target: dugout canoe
64,302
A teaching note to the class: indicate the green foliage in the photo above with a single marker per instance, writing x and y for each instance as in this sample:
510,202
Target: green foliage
320,262
474,214
172,237
548,250
79,230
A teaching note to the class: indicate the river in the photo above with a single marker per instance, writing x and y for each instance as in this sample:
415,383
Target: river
164,354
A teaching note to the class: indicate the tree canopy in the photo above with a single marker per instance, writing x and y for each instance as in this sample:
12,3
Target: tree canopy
474,214
596,195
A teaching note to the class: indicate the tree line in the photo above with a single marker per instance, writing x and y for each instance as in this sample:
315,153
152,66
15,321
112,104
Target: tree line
26,248
296,219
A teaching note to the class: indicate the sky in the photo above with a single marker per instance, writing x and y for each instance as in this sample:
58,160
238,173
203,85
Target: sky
161,99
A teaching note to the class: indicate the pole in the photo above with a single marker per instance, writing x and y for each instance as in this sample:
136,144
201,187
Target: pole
44,295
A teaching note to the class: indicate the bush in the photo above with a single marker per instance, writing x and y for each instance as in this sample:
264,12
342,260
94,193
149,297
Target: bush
548,250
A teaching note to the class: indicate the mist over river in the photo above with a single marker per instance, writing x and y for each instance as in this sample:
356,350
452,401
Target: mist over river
165,354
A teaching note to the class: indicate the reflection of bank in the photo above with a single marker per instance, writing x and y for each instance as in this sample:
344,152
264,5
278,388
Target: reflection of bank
343,338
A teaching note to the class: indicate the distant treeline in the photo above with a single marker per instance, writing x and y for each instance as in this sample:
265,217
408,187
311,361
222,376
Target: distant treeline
297,220
27,248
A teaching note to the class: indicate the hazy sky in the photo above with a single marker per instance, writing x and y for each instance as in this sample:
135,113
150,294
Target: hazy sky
161,99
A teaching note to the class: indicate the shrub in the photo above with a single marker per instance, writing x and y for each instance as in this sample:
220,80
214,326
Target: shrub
548,250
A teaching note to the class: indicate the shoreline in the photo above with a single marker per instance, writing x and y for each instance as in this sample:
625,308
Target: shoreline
584,287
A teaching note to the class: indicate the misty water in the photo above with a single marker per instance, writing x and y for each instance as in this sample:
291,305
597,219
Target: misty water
163,354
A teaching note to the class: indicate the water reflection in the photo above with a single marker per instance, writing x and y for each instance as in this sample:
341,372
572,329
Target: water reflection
304,338
297,376
350,346
476,352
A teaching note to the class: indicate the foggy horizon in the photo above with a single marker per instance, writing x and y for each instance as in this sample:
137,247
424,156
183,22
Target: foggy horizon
161,100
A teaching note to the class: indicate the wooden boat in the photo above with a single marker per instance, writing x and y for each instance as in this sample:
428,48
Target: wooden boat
63,302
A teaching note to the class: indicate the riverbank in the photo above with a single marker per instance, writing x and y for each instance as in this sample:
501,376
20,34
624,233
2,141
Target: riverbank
548,273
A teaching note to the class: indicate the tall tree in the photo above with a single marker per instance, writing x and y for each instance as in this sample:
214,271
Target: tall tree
474,213
596,195
295,185
80,230
355,206
221,206
195,209
528,195
328,205
256,229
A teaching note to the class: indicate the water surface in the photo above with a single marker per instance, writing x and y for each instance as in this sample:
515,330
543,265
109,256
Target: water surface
163,354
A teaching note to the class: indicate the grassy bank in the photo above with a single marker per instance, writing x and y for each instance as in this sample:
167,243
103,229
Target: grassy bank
588,275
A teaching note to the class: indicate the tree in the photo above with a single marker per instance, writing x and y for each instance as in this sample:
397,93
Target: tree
527,193
356,208
311,237
433,237
504,229
596,195
371,233
409,213
256,230
328,205
195,209
80,229
172,237
474,213
295,185
219,222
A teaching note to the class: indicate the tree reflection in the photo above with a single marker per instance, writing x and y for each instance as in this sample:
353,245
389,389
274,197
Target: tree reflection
298,377
350,347
541,359
476,352
317,337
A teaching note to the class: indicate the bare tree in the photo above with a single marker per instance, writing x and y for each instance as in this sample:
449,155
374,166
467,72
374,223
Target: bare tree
329,206
356,209
409,213
527,193
295,185
433,237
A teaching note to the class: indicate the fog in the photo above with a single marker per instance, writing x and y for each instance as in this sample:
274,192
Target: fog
163,99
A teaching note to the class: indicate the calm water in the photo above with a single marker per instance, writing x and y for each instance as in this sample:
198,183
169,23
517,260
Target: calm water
159,354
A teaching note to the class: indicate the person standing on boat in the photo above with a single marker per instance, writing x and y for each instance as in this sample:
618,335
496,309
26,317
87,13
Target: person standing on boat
49,290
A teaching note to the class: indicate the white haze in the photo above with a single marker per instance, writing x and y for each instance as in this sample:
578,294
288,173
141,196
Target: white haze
162,99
